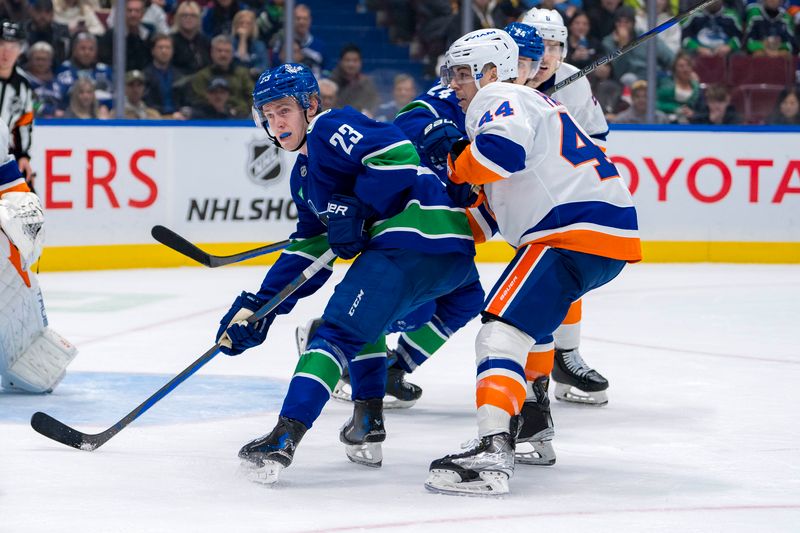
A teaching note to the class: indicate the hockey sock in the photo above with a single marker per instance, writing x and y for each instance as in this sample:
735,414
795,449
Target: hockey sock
315,376
568,334
539,362
368,371
415,347
501,386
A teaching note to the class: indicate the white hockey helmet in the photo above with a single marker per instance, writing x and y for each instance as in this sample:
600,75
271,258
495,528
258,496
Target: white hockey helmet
550,25
479,48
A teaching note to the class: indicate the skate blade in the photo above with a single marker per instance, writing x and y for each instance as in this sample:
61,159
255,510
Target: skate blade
368,454
390,402
342,392
268,474
538,453
449,482
567,393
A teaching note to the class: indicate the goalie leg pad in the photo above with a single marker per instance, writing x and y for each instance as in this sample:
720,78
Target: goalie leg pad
42,366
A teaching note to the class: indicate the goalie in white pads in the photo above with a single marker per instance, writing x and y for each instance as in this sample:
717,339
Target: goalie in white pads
33,357
560,202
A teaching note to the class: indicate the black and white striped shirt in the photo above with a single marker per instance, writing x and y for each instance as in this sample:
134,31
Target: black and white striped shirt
16,110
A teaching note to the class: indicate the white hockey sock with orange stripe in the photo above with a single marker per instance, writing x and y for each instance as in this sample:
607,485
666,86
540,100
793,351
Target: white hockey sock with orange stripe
501,351
568,334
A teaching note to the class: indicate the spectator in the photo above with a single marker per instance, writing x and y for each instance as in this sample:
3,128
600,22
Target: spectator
83,103
715,31
42,27
787,108
218,18
635,61
602,18
679,94
715,108
240,85
78,16
355,88
481,18
504,12
671,37
434,18
16,97
298,57
191,47
270,20
83,64
637,112
405,89
249,51
314,53
46,90
162,91
216,105
156,17
135,108
582,47
328,93
15,10
138,37
770,30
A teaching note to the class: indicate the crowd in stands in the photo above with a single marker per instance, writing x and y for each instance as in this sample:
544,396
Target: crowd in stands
191,60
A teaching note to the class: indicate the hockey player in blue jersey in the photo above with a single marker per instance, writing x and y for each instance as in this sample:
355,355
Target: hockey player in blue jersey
358,190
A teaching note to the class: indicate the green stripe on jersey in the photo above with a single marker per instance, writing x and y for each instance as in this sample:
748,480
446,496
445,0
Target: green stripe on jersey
433,221
416,104
313,247
373,349
321,365
426,338
399,154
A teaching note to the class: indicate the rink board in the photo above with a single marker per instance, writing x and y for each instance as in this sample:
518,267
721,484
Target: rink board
719,195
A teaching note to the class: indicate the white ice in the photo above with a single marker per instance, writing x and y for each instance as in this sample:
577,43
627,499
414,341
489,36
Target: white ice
701,432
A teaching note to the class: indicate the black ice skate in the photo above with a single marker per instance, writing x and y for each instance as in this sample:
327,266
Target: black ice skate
576,381
535,428
484,469
364,432
265,457
400,394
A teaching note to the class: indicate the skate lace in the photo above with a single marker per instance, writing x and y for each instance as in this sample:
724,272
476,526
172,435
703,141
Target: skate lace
575,363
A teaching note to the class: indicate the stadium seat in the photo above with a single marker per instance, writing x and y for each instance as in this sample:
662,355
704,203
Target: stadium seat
711,69
755,102
749,70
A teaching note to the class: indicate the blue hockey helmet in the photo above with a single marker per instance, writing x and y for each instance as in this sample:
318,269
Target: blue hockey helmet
531,48
289,79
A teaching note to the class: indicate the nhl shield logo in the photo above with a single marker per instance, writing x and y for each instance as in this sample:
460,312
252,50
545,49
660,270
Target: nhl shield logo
264,162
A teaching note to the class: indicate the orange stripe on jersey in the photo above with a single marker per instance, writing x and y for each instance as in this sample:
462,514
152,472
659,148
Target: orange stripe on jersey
596,243
501,391
539,363
477,232
469,170
25,119
16,261
514,279
574,313
20,187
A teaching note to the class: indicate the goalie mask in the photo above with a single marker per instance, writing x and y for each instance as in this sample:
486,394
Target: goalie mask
477,49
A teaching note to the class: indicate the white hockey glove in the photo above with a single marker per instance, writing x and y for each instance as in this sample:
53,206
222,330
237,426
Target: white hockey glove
22,220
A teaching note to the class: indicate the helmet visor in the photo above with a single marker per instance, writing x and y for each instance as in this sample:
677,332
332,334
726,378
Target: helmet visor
527,69
460,74
553,49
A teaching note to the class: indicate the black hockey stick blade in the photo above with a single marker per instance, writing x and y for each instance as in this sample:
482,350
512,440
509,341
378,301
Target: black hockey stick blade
60,432
170,239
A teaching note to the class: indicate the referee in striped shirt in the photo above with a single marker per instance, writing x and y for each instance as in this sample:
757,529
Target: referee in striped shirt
16,97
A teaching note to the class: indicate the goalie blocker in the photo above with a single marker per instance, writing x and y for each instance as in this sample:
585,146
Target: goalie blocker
33,357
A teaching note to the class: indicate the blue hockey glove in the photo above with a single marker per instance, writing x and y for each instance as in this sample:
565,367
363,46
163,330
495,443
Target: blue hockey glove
236,336
347,225
437,139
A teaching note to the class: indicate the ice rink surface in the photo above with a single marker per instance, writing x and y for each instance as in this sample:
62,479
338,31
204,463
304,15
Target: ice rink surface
702,431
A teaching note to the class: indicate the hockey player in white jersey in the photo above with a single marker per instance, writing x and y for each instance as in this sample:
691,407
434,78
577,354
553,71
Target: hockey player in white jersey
33,357
560,202
575,381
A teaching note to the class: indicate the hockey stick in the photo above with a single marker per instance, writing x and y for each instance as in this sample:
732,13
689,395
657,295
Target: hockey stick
60,432
630,46
169,238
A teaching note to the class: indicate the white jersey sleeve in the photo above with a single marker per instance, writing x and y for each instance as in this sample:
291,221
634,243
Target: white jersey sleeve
577,97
